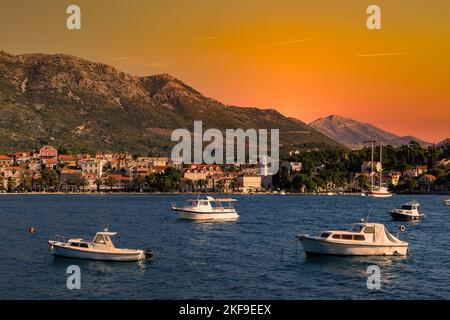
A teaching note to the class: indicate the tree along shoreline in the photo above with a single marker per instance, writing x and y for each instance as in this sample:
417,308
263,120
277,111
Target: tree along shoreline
442,193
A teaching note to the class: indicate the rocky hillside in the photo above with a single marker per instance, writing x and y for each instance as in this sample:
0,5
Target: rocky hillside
352,133
85,106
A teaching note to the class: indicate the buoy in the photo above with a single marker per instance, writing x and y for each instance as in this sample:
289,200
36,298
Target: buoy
32,230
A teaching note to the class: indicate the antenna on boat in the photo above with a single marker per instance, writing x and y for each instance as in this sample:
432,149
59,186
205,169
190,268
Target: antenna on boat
106,228
368,215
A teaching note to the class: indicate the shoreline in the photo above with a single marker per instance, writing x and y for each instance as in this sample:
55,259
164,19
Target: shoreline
199,193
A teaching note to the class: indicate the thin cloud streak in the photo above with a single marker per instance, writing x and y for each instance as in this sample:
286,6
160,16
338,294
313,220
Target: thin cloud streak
285,43
385,54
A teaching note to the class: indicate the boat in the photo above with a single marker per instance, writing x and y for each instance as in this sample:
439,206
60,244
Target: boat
101,248
447,202
208,208
362,239
410,211
379,191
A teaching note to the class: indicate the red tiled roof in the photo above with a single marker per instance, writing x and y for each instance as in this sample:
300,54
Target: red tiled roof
70,171
159,168
119,177
4,157
69,157
15,169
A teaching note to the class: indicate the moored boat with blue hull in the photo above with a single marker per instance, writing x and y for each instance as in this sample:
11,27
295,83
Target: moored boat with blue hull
409,211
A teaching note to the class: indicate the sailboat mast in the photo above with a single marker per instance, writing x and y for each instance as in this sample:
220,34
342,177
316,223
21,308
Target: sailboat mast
371,175
381,165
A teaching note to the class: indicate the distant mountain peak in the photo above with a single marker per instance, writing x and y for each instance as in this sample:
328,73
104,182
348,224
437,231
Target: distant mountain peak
353,133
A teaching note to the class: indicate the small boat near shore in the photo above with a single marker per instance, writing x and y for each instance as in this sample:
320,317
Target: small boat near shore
380,192
208,209
362,239
410,211
101,248
447,202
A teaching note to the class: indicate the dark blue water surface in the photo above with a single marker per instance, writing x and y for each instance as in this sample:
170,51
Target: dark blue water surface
217,260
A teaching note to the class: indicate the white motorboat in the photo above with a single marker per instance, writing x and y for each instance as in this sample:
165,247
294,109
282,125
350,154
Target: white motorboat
363,239
208,209
410,211
447,202
101,248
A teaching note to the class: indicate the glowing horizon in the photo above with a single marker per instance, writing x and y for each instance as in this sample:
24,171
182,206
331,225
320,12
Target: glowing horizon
305,59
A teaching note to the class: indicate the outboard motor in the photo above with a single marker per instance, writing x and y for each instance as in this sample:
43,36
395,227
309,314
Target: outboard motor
148,254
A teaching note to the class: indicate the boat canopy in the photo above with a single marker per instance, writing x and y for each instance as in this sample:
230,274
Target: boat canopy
381,234
220,199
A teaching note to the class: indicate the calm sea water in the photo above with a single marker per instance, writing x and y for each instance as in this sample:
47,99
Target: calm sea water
217,260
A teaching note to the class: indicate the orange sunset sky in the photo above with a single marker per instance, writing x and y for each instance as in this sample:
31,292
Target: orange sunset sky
307,59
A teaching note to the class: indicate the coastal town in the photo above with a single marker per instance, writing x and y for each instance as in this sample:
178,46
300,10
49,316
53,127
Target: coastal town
312,171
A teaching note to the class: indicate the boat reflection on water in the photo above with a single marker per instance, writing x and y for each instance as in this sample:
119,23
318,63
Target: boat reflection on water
391,267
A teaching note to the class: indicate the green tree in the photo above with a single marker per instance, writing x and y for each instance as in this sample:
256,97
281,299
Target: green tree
233,185
220,186
138,183
50,178
111,182
99,184
201,184
26,181
11,184
172,177
363,182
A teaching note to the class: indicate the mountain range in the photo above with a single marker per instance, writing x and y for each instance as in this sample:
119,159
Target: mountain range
85,106
352,133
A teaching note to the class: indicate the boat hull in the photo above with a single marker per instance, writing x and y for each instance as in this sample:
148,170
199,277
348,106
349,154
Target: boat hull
405,217
61,251
315,247
380,195
186,215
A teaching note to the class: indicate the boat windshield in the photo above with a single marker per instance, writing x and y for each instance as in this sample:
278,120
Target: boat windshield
192,203
102,239
356,228
222,204
99,239
408,207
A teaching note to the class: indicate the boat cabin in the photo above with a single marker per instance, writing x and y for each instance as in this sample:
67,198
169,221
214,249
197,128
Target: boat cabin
411,206
101,239
368,232
211,204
